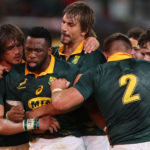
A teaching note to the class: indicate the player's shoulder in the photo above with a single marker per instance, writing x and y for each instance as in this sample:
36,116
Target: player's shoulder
97,54
94,70
20,68
98,51
142,63
16,72
136,62
65,65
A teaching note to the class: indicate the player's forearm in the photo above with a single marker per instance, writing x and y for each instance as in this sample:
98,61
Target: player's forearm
42,111
7,127
67,100
60,105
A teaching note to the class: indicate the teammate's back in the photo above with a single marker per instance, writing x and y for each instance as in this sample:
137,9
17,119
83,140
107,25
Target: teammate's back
129,107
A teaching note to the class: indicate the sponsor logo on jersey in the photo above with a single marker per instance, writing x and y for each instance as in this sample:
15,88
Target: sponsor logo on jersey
51,79
76,59
39,90
22,84
38,102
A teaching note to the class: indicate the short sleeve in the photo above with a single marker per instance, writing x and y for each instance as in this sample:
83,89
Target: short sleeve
92,60
85,85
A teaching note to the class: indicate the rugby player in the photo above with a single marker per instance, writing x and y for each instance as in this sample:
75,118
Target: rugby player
121,90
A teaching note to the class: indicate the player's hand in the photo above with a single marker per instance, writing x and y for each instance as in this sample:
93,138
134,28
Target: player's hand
16,113
48,123
2,70
32,114
59,83
91,44
29,115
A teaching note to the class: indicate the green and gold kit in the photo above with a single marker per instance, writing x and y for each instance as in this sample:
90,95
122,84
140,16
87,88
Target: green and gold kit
34,91
122,90
10,140
83,62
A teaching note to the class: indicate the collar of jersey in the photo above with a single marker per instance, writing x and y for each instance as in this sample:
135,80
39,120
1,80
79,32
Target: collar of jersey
22,61
78,50
119,56
49,69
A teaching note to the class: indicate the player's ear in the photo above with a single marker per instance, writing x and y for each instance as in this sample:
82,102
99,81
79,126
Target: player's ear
83,33
50,50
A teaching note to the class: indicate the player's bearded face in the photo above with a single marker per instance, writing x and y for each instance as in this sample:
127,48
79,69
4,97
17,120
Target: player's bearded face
37,54
70,29
35,66
65,38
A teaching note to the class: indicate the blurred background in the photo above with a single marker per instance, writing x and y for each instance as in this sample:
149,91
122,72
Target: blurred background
111,15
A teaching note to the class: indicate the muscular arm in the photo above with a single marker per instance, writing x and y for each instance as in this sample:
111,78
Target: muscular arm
60,104
8,127
93,110
48,109
43,110
67,100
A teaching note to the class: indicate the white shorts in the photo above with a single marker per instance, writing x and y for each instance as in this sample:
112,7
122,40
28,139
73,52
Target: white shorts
138,146
18,147
96,142
60,143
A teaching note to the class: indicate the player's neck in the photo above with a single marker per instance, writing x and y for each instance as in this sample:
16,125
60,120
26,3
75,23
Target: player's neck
69,49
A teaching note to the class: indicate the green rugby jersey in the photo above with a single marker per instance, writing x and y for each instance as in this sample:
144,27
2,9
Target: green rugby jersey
15,139
34,91
83,62
122,91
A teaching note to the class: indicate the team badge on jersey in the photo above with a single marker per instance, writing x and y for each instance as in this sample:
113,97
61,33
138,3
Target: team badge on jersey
22,85
50,80
76,59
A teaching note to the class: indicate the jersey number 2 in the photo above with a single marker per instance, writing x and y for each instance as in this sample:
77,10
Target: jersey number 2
131,81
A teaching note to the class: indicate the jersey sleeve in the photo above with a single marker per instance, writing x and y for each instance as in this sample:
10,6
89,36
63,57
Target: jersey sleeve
85,85
92,60
11,92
